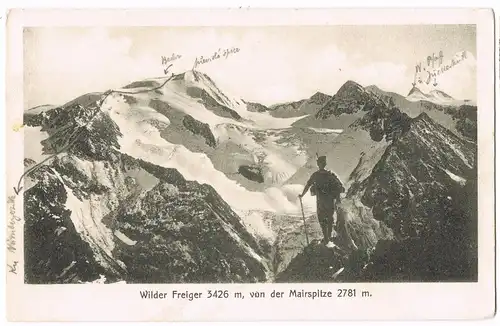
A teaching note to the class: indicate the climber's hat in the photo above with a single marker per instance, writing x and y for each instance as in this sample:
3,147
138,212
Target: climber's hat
321,160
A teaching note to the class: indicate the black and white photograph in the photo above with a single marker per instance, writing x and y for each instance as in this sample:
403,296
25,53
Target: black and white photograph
286,154
325,157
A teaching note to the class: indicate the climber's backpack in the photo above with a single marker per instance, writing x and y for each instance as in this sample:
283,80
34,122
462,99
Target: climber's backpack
327,183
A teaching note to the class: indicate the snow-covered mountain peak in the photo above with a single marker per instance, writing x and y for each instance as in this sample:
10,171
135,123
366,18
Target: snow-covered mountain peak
164,163
416,92
435,96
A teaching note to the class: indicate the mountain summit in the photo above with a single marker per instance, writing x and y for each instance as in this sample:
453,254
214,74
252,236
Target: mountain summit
435,96
350,98
174,180
416,93
156,169
349,89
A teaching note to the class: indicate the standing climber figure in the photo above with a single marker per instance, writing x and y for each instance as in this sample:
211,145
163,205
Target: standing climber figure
327,188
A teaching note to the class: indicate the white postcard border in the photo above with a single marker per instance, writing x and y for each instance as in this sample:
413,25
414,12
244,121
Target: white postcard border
117,302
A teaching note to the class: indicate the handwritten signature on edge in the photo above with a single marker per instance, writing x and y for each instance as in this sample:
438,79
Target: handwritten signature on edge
11,232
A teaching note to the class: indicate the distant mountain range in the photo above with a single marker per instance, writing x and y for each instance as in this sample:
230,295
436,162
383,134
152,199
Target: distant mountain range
292,109
435,96
187,183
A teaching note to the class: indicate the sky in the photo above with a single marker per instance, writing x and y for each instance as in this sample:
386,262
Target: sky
272,65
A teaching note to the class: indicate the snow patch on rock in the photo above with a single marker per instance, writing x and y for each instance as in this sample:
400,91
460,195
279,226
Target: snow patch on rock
456,178
124,238
87,216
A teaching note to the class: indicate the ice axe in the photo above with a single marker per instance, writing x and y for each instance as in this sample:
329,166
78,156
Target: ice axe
304,219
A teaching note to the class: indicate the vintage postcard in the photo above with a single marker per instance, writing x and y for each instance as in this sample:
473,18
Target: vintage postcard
246,165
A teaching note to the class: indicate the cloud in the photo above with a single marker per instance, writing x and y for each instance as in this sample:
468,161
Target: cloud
270,67
386,75
61,64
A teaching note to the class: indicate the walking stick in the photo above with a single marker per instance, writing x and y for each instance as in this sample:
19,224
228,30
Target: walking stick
304,219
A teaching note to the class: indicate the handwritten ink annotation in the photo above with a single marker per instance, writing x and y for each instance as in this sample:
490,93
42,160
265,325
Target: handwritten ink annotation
221,53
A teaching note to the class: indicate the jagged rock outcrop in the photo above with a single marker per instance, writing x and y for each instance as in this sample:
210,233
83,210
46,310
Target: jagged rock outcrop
199,128
108,215
54,252
186,233
384,122
319,98
407,184
412,213
164,234
466,121
290,108
315,264
349,99
253,173
441,107
82,130
447,252
299,108
180,125
256,107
